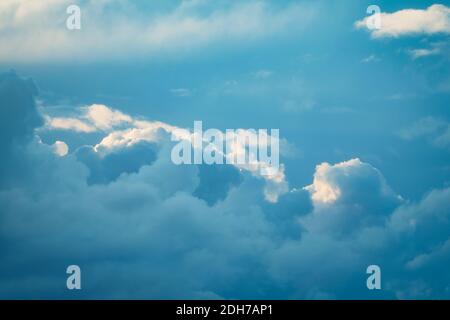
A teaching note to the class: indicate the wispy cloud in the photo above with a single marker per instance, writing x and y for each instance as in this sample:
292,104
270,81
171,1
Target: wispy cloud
181,92
371,58
419,53
435,129
36,31
437,48
262,74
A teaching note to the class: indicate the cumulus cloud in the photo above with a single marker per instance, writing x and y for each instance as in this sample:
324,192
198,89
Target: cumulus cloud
367,223
341,201
149,232
190,25
138,131
433,20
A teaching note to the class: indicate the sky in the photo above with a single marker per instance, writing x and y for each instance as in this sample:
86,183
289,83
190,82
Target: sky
86,172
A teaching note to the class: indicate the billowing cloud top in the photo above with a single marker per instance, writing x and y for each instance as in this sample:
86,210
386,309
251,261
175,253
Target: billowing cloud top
135,131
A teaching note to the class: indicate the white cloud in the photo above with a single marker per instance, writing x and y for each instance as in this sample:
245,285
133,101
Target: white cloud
342,203
73,124
36,31
133,131
140,131
152,131
434,19
105,118
323,190
92,118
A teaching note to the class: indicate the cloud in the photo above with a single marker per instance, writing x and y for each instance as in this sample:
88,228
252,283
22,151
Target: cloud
435,129
150,229
104,118
262,74
134,132
443,140
371,58
73,124
109,34
367,224
424,126
107,167
325,188
181,92
93,118
436,48
18,114
341,201
216,181
420,53
433,20
18,119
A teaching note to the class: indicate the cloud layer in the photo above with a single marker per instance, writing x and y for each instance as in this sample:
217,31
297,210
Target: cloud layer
150,229
108,34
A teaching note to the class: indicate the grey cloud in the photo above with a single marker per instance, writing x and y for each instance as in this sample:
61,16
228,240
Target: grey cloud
154,231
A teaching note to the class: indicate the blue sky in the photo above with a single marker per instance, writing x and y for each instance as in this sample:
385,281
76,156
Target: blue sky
365,141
